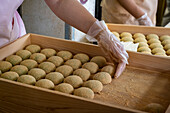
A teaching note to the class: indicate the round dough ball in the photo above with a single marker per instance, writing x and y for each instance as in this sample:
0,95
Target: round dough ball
20,69
152,36
155,45
47,66
84,74
74,63
168,52
56,60
103,77
39,57
158,50
137,40
65,88
29,63
116,34
82,57
154,108
33,48
164,37
45,83
84,92
91,66
160,54
5,66
14,59
37,73
74,80
109,69
144,49
24,54
48,52
27,79
99,60
55,77
94,85
127,39
167,46
66,55
147,52
10,75
153,40
125,34
137,35
166,42
142,44
65,70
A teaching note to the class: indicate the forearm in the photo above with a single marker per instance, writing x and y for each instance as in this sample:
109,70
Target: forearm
131,7
73,13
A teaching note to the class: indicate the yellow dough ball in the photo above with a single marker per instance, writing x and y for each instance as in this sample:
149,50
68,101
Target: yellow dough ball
37,73
65,88
65,70
74,63
153,41
84,74
137,35
14,59
5,66
164,37
127,39
168,52
154,108
66,55
45,83
33,48
144,49
116,34
142,44
84,92
103,77
165,42
24,54
48,52
56,60
125,34
167,46
147,52
29,63
82,57
20,69
160,54
99,60
91,66
27,79
109,69
152,36
74,80
94,85
38,57
55,77
155,45
137,40
10,75
47,66
158,50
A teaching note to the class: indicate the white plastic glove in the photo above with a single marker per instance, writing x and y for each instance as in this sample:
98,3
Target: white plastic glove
145,20
110,45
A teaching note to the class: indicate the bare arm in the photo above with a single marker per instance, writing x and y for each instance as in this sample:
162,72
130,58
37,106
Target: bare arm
132,8
73,13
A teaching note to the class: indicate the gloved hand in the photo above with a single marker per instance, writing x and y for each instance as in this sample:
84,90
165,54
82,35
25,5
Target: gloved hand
145,20
110,45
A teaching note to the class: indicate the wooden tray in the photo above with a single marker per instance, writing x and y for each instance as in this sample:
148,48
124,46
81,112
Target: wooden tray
145,80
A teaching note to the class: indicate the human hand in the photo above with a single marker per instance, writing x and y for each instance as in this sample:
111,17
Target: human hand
110,45
145,20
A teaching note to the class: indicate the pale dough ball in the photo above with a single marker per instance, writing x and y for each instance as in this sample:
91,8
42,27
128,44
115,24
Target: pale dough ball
125,34
10,75
14,59
165,42
103,77
99,60
168,52
84,92
137,40
84,74
167,46
65,88
20,69
155,45
116,34
74,80
74,63
82,57
47,66
48,52
29,63
142,44
55,77
127,39
144,49
137,35
56,60
37,73
24,54
158,50
109,69
65,70
94,85
147,52
5,66
66,55
39,57
153,40
33,48
91,66
152,36
160,54
164,37
45,83
154,108
27,79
